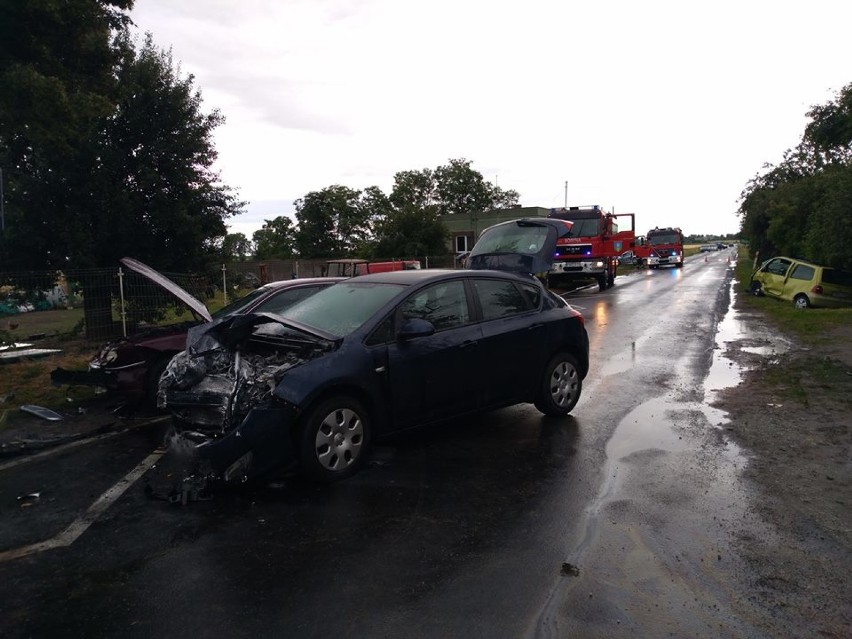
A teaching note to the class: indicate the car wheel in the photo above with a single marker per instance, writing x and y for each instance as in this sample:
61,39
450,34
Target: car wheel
755,289
334,440
602,283
560,387
610,280
801,301
679,265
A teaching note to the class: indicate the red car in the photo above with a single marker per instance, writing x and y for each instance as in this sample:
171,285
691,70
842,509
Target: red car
131,366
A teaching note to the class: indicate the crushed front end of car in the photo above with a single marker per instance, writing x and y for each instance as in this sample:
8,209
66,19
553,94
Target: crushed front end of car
221,392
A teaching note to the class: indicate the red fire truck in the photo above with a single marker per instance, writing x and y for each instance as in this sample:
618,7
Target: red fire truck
666,247
591,250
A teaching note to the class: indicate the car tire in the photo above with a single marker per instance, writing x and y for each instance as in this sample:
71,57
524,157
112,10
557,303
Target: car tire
801,301
602,283
679,265
755,289
561,386
610,280
335,437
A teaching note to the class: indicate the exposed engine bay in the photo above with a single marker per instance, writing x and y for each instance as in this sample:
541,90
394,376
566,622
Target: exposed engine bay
231,367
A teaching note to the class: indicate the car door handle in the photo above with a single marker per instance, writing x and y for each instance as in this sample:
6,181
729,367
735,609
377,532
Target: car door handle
468,344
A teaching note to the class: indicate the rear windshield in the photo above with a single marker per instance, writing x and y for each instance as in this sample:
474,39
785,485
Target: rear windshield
839,278
526,239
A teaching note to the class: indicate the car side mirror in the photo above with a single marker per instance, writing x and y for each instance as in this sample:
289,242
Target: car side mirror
415,327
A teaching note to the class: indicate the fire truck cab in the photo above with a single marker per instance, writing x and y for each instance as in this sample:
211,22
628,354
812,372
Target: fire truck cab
666,247
591,250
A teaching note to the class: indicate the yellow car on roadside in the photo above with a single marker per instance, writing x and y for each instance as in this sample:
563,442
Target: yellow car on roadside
803,283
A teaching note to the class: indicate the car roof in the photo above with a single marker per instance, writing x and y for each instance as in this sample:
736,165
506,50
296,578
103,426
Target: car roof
302,281
413,277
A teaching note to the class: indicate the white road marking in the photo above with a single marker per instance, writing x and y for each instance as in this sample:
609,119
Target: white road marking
79,442
82,523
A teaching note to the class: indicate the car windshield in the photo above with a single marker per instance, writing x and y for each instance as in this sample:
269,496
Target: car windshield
664,238
342,308
238,305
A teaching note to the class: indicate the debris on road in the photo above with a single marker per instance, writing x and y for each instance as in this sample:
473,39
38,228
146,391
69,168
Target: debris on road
41,411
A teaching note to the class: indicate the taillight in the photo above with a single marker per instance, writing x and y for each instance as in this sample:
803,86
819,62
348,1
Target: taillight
817,289
579,316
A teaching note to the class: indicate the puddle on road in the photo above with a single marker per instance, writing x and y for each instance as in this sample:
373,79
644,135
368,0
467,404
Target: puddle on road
734,333
648,426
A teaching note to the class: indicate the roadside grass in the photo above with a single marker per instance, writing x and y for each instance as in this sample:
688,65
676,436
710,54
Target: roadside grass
27,381
810,377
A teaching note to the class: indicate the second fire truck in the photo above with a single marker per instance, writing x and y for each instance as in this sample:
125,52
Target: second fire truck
666,247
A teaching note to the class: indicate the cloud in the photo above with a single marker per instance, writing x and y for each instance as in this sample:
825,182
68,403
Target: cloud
665,109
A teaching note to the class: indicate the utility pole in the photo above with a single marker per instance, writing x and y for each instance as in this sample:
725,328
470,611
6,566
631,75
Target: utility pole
566,194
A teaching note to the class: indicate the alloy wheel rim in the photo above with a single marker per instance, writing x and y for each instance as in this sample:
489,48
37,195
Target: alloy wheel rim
563,384
339,439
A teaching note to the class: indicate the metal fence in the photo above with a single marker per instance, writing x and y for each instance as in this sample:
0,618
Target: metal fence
108,303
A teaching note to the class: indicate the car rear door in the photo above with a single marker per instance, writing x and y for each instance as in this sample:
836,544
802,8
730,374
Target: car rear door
513,338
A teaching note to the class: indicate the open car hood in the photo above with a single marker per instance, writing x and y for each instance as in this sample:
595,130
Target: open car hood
227,332
525,246
194,304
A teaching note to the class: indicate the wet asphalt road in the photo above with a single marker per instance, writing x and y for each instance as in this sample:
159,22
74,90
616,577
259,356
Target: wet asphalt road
617,521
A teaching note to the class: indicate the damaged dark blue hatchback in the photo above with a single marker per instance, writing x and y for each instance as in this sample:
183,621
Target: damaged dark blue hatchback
378,354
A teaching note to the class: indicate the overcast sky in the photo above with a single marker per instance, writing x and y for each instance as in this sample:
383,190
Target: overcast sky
661,108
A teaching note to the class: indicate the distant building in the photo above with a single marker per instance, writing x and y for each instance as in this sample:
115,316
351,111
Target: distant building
465,228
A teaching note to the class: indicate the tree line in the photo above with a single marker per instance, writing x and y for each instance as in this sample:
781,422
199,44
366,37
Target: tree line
803,206
407,222
106,151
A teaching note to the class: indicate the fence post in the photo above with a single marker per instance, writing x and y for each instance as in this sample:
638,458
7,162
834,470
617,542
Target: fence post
123,309
224,283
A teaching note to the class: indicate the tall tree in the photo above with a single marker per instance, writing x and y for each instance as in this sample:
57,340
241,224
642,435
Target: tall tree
57,62
332,222
460,189
411,233
236,247
276,239
801,207
105,148
414,190
502,199
411,226
170,207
